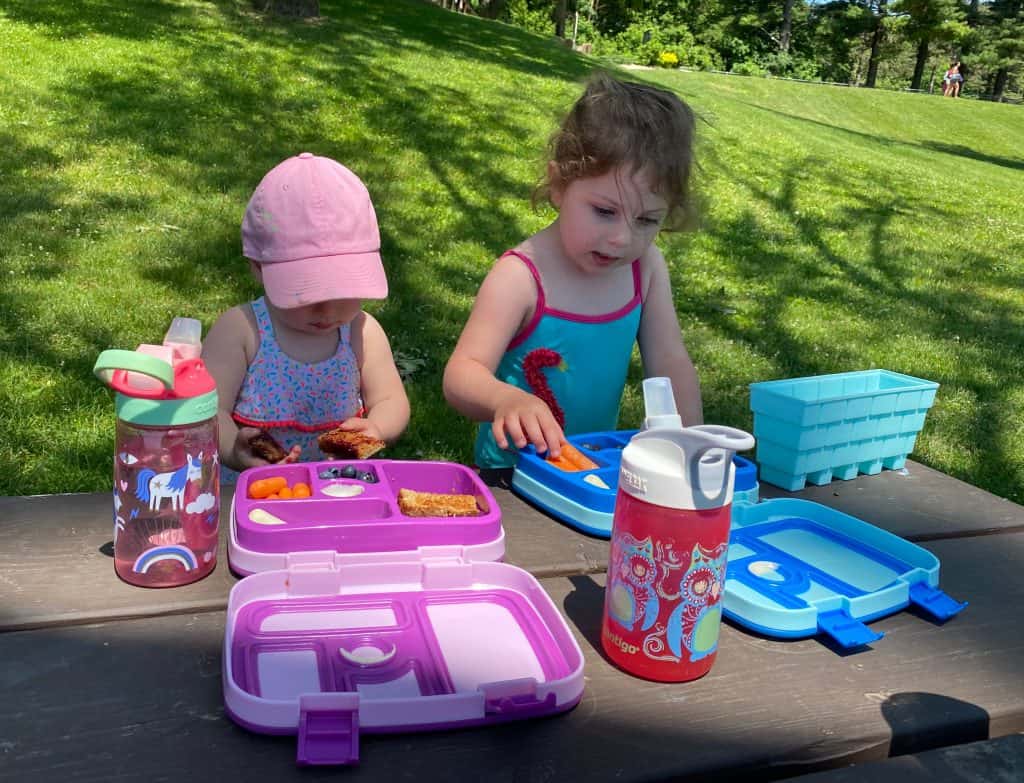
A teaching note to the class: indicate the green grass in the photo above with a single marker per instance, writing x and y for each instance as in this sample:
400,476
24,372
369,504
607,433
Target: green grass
843,229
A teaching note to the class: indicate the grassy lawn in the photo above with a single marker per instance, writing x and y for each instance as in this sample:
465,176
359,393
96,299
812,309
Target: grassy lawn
843,229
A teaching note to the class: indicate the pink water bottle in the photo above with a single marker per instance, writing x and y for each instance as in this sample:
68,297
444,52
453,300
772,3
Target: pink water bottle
166,469
670,538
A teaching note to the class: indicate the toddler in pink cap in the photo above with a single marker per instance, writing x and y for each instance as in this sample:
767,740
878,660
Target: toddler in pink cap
304,358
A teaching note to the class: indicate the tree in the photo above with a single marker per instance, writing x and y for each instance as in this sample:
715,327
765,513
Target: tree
880,12
489,9
560,11
787,26
927,22
1004,43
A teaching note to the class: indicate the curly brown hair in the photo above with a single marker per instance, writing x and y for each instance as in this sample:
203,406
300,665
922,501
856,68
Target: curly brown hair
617,123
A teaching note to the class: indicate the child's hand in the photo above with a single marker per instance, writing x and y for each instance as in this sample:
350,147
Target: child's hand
364,426
527,419
243,456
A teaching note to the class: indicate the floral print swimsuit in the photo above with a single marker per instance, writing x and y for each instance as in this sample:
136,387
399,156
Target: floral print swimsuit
292,400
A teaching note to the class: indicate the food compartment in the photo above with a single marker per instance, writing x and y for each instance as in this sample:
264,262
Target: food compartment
443,477
296,525
371,645
491,636
438,477
327,473
593,445
257,478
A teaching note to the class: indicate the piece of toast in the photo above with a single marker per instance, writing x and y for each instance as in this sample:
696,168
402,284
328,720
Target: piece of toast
433,504
572,460
265,447
344,444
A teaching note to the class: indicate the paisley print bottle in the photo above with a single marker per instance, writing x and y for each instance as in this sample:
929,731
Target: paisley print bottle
670,534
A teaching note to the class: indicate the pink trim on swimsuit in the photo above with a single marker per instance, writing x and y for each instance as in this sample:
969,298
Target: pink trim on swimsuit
542,309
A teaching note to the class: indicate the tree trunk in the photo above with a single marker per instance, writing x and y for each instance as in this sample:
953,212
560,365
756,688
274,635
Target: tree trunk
492,9
560,10
787,26
305,9
922,60
972,14
876,47
999,87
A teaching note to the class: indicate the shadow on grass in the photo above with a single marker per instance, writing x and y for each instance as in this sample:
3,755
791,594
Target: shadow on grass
225,116
973,321
958,150
221,118
966,152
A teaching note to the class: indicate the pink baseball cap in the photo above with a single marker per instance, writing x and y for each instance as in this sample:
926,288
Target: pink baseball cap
311,227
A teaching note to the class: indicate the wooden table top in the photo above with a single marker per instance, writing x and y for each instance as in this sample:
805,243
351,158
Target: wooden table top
106,681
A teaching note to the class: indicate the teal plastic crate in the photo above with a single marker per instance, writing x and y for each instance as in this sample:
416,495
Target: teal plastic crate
836,426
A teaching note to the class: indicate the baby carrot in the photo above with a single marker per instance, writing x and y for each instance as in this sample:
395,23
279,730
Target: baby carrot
285,493
263,488
301,490
572,459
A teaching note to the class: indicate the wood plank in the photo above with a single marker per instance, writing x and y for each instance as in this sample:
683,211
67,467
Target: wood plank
56,565
54,570
994,761
141,699
917,503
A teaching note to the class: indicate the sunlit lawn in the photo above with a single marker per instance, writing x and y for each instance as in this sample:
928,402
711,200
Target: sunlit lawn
843,229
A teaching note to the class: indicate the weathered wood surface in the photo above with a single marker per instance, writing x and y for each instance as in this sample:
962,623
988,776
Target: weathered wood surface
993,761
917,503
56,567
141,700
56,564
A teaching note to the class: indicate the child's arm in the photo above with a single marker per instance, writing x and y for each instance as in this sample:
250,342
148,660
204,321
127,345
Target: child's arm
227,349
661,342
387,406
505,297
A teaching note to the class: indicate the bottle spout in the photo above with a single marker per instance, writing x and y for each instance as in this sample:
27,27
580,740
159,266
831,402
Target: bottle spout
184,338
660,405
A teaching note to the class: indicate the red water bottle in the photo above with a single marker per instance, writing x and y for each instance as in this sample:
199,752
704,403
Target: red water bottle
670,538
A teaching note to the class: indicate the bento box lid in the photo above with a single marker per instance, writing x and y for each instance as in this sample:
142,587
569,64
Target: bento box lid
329,652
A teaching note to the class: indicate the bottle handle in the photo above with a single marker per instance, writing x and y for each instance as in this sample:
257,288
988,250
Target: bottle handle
113,364
715,438
723,437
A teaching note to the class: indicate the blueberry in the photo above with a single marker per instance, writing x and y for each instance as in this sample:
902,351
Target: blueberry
369,477
349,471
329,473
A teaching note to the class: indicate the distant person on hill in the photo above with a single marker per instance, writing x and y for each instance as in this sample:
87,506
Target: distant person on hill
952,80
547,347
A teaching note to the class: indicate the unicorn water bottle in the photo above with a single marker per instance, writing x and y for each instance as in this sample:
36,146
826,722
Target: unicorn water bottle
670,536
166,470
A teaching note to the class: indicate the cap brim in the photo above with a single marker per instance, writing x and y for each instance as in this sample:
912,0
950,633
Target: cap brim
310,280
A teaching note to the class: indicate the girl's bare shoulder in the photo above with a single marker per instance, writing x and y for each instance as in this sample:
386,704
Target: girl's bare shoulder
653,267
236,327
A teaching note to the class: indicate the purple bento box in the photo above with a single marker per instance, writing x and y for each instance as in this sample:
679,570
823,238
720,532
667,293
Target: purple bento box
357,617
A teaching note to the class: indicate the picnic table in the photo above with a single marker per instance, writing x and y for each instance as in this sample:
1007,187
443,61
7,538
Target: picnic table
102,680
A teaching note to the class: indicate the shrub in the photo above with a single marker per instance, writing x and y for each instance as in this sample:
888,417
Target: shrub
668,60
520,14
702,57
748,68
